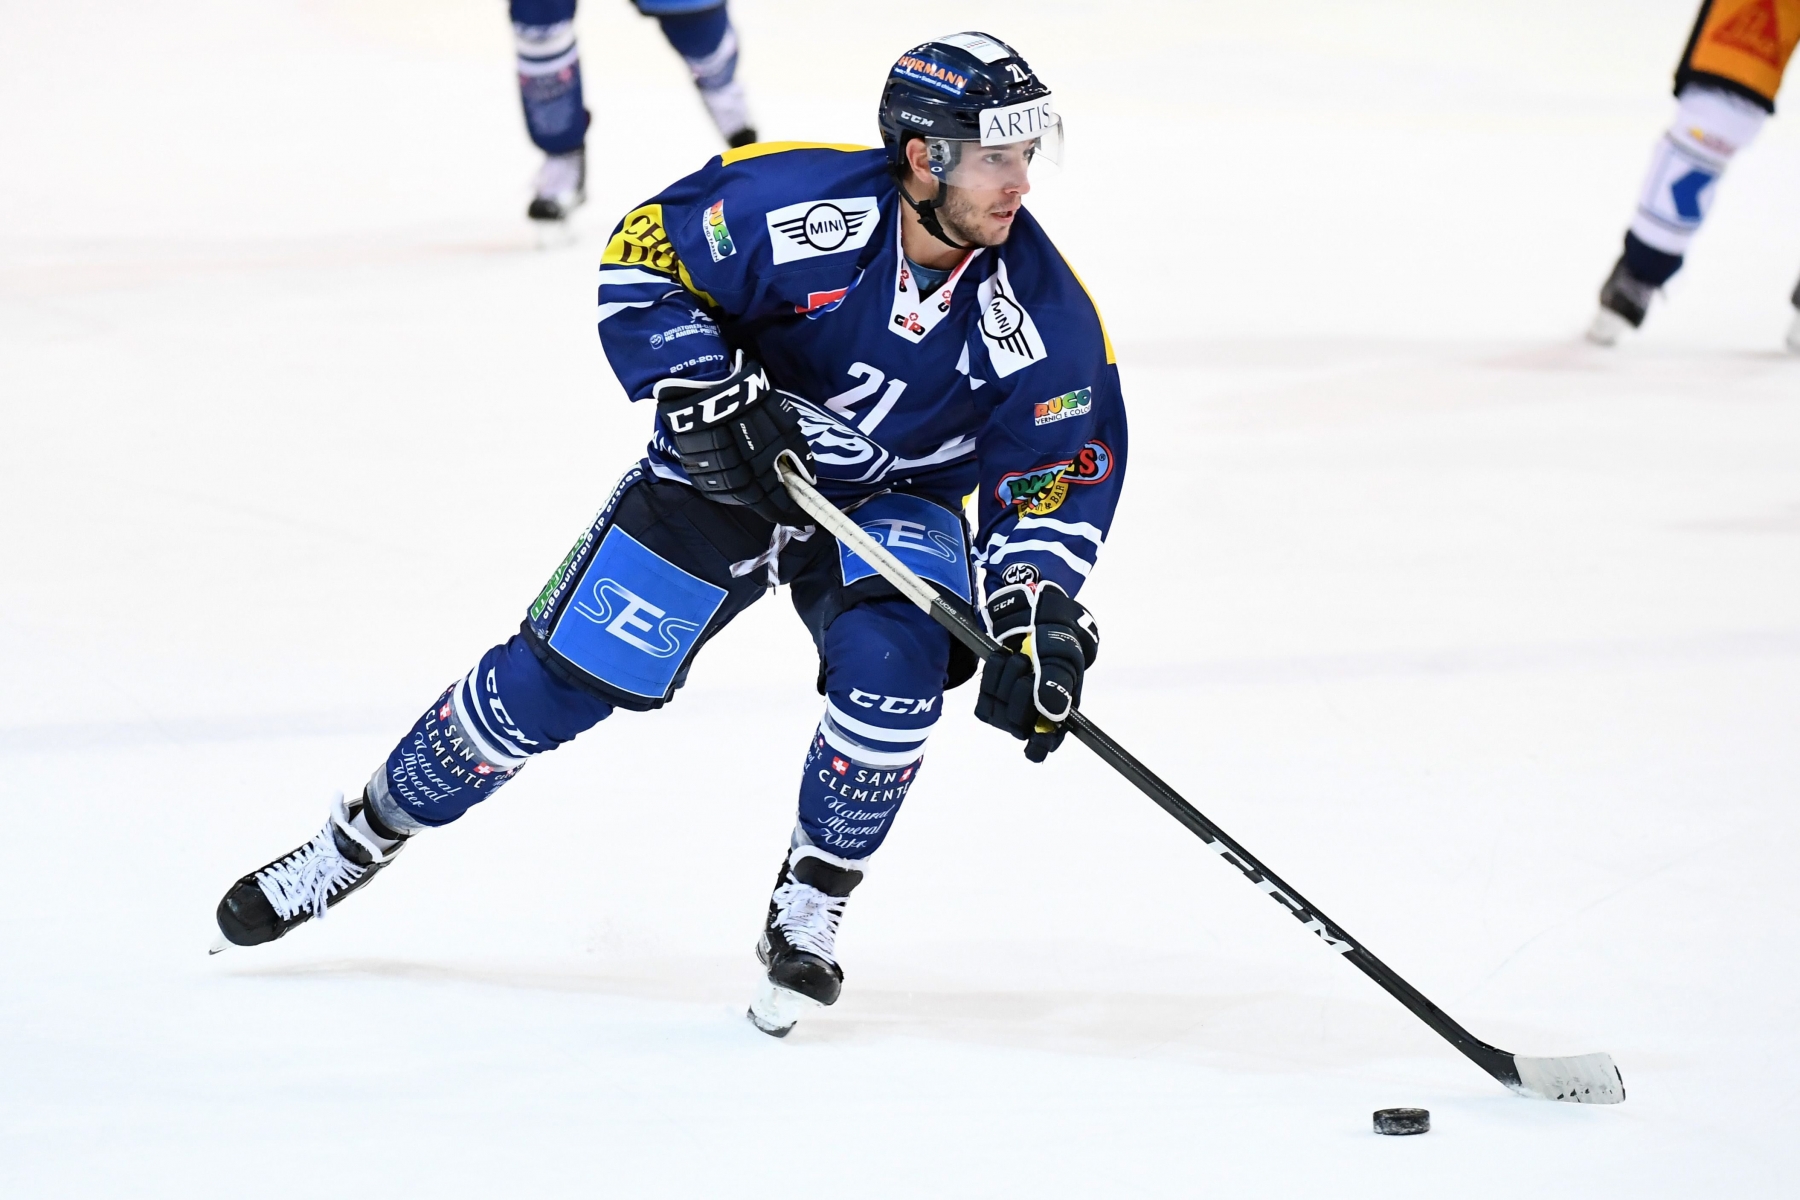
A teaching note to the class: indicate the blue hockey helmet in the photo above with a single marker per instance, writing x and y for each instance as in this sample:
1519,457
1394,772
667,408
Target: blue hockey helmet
958,92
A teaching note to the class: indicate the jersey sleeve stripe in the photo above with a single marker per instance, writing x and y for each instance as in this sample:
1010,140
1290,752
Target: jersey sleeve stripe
1077,528
1079,565
617,275
614,309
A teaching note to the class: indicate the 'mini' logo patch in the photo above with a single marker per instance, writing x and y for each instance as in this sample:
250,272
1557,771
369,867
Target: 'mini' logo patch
814,228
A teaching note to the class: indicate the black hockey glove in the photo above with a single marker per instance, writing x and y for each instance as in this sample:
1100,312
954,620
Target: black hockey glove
1051,641
729,432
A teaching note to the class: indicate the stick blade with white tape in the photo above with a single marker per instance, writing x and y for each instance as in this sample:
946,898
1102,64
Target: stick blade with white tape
1583,1079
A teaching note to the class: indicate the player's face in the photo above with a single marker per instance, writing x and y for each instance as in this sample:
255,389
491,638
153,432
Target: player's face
985,192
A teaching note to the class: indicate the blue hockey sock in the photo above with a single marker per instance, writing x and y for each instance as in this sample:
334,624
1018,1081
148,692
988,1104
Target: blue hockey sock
706,40
1647,263
847,806
477,736
550,82
884,683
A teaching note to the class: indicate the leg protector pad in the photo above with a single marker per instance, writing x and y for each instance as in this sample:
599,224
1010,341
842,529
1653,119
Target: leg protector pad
1710,127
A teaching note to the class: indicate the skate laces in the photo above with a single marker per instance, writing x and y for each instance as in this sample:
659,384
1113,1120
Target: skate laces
308,878
808,918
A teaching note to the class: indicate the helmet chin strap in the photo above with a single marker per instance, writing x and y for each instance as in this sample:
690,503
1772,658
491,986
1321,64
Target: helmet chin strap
926,210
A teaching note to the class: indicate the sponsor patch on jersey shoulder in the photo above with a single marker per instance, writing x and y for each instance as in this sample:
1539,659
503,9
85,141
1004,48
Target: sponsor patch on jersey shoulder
1077,403
819,303
1007,329
642,241
813,228
1042,489
718,234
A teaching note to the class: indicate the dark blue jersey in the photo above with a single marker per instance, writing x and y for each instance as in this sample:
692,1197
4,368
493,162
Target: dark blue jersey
1001,382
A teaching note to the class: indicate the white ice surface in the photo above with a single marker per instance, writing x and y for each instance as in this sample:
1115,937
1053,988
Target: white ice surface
1489,640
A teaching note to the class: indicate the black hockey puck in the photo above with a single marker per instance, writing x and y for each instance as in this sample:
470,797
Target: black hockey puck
1402,1120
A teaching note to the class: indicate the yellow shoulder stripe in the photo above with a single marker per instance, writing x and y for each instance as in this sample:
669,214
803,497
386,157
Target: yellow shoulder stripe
1104,336
758,149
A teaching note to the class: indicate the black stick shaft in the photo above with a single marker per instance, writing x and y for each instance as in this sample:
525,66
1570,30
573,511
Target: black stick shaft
1495,1062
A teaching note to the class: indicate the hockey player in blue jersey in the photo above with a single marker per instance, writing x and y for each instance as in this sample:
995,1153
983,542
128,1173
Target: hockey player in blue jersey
550,86
897,321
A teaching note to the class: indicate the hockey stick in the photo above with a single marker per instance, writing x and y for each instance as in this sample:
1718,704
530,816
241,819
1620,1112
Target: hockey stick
1583,1079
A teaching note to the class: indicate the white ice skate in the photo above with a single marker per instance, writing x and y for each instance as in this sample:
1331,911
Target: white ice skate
1624,301
561,188
799,941
303,884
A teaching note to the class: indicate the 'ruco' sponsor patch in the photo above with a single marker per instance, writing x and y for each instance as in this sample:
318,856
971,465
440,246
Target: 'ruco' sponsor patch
718,234
1077,403
813,228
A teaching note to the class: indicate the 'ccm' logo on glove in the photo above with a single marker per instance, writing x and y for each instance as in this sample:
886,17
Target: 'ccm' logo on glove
1029,690
742,392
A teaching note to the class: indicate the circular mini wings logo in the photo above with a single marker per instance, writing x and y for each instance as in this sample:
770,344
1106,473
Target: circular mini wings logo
1002,317
825,226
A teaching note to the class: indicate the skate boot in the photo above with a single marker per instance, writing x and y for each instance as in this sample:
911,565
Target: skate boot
1624,299
346,854
800,937
729,108
561,187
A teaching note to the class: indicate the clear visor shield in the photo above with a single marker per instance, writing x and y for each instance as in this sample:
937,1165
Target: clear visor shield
1012,139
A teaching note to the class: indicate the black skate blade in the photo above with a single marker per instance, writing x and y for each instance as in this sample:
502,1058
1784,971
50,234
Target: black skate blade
771,1030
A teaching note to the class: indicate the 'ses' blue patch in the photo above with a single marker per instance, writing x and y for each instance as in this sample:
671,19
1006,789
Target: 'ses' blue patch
633,617
924,536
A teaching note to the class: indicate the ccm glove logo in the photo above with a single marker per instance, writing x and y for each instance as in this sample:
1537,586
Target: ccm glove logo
715,408
728,437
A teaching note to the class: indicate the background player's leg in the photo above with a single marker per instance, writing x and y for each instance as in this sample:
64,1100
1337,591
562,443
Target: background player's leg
1710,127
550,91
1793,334
884,686
704,37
